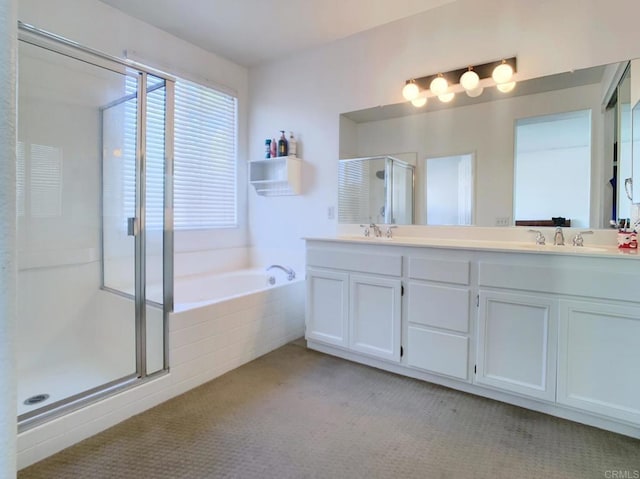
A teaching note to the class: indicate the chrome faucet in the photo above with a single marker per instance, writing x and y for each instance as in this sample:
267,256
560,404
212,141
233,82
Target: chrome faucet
578,240
291,274
389,233
558,237
540,239
376,230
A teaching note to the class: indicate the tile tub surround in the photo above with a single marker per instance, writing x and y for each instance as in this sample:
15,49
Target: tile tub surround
204,343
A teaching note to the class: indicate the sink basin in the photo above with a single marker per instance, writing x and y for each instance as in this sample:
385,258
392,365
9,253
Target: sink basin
484,244
563,248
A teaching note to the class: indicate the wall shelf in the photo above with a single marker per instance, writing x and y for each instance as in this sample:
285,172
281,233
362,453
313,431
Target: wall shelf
276,176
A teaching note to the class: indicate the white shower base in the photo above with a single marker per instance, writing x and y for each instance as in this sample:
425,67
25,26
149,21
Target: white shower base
62,380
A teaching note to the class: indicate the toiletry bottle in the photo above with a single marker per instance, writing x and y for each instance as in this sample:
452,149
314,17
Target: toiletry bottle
267,148
293,147
274,148
282,145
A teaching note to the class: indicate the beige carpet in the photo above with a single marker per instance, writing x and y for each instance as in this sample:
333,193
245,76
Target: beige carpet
295,413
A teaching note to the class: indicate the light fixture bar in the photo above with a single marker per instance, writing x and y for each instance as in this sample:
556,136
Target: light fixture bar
453,77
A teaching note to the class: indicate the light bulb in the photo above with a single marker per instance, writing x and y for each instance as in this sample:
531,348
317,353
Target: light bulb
419,101
506,87
502,73
446,97
469,80
475,92
410,91
438,85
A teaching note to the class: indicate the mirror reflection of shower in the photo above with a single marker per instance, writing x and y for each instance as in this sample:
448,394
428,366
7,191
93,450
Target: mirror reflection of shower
375,189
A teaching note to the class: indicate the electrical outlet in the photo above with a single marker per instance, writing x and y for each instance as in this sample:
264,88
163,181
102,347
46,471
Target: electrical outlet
331,212
503,221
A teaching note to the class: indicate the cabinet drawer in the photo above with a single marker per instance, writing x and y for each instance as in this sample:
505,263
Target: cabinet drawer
443,270
439,352
444,307
387,264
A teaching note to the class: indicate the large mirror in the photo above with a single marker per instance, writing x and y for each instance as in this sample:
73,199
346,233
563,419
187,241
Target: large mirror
554,147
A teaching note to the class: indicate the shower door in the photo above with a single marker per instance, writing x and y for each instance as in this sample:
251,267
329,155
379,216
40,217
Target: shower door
85,175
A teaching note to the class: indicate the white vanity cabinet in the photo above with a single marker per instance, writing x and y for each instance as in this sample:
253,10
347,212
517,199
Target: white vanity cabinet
354,300
599,358
517,343
557,333
438,312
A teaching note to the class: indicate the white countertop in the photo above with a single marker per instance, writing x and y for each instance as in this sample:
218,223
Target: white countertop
592,250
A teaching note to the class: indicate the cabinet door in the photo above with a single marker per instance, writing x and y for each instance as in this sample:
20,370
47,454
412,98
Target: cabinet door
327,306
517,337
375,316
599,358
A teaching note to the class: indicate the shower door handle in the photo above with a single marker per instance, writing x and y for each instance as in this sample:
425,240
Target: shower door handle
132,226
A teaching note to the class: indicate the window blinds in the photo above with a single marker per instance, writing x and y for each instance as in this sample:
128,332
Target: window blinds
205,186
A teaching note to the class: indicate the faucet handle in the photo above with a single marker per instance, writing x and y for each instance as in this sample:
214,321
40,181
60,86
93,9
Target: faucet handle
540,239
366,230
388,233
578,240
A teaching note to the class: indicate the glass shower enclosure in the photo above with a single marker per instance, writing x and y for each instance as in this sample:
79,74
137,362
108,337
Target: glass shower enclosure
94,198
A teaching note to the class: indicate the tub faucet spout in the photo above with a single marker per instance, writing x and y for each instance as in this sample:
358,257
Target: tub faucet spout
291,274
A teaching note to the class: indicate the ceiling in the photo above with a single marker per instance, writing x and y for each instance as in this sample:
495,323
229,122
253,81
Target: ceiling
251,32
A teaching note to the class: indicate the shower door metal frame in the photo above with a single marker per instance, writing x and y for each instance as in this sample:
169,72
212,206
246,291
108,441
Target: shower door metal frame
55,43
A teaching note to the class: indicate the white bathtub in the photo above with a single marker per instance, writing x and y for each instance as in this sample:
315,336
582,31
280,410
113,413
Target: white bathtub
224,320
203,289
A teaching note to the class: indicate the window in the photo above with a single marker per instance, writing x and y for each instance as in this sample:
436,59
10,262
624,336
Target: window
553,167
38,180
204,158
205,186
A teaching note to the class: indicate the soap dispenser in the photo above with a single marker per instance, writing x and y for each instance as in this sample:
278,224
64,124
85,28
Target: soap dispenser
282,145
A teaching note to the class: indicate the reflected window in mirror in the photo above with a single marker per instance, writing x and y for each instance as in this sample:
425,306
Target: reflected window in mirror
353,192
449,190
553,167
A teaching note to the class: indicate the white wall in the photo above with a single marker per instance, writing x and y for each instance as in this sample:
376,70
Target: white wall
306,93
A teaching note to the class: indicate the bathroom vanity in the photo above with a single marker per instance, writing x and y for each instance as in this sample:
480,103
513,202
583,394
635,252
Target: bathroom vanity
554,329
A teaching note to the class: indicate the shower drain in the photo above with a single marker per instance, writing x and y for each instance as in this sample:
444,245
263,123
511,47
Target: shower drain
38,398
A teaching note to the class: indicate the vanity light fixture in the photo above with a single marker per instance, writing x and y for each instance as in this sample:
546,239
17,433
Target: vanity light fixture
410,90
446,97
472,79
469,80
419,101
476,92
506,87
502,73
438,85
